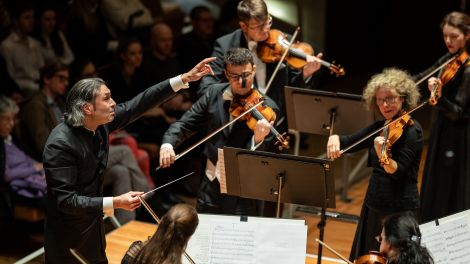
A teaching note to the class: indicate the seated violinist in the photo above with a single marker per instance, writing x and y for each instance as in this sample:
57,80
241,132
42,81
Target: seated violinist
394,155
209,113
168,244
255,25
400,241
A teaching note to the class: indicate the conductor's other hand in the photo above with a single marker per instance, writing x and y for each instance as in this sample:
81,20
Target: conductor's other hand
167,156
200,70
333,147
128,201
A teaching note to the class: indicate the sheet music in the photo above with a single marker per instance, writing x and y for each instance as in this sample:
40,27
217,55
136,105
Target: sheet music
225,239
449,242
220,171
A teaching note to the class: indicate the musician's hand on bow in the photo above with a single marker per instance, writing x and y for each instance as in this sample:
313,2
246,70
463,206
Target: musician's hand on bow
200,70
431,85
167,156
262,129
312,65
333,150
378,143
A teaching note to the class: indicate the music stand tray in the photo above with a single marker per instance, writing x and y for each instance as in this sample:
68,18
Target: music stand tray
255,174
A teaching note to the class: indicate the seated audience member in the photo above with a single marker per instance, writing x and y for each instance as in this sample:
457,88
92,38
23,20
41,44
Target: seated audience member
122,75
21,52
24,175
400,241
44,110
54,45
169,242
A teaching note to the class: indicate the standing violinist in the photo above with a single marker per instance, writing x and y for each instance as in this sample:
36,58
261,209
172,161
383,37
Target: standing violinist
393,184
210,112
255,23
446,179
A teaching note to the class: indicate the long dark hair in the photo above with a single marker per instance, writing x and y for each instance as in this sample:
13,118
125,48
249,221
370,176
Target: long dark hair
167,245
403,234
56,41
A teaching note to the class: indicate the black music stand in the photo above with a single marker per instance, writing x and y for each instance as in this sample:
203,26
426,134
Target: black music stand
280,178
321,112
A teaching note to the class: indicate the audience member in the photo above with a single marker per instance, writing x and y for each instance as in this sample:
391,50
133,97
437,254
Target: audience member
21,52
44,110
54,45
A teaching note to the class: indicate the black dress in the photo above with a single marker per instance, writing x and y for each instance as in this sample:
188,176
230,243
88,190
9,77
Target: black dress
387,193
446,180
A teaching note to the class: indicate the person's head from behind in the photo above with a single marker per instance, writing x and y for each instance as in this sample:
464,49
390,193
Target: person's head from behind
8,111
161,37
129,52
54,79
22,14
456,31
254,19
389,92
167,245
202,21
89,104
239,70
400,240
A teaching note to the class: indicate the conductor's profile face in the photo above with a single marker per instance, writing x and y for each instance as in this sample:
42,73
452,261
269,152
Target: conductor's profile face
103,109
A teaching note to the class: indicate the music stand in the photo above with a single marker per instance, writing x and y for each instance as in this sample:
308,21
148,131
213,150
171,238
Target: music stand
327,112
280,178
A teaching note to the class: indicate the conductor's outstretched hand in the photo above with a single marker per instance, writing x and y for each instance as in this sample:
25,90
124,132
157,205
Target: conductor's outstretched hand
200,70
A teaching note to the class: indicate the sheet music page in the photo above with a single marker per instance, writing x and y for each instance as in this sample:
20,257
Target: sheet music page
220,171
457,237
198,244
432,240
232,243
449,242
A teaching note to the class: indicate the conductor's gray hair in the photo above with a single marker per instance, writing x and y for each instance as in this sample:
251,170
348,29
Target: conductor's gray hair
84,91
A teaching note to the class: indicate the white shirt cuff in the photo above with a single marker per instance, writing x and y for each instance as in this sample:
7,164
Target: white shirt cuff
177,83
108,208
166,145
253,146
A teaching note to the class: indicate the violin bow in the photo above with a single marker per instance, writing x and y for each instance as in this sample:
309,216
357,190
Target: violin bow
333,251
281,60
215,132
407,113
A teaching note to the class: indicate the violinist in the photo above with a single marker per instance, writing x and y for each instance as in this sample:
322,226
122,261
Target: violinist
446,178
209,113
400,241
393,184
255,24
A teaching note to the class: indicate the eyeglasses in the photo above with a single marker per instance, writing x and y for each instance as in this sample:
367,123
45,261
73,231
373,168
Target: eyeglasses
235,77
266,24
379,238
389,100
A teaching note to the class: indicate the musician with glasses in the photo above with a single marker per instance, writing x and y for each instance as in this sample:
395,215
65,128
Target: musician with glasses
393,184
211,112
255,23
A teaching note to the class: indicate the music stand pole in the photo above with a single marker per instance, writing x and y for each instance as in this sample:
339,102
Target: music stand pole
280,178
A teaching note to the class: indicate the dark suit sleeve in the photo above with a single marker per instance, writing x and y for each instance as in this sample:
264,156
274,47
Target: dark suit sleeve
131,110
35,124
60,164
217,67
191,122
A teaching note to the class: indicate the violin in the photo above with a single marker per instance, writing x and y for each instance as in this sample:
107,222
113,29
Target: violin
271,50
447,73
391,134
240,105
373,257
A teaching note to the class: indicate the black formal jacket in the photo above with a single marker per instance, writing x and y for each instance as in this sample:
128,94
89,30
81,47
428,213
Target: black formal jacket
74,161
209,113
285,75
